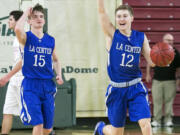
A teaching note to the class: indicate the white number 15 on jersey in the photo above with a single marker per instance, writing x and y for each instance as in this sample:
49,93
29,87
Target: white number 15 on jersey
39,60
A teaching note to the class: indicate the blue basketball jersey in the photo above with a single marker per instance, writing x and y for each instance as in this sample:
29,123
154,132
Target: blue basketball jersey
124,56
38,56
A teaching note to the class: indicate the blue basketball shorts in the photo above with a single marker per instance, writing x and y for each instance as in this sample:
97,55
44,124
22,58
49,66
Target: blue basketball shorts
37,98
133,98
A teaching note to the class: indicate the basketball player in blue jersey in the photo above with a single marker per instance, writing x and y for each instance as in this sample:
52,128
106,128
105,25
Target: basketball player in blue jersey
38,89
126,90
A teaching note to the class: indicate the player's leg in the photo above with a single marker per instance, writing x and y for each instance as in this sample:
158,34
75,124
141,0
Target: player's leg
145,125
52,132
48,107
116,109
47,131
6,123
38,130
11,107
31,113
110,130
139,109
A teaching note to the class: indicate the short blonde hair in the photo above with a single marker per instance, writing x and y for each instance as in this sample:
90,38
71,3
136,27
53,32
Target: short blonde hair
125,7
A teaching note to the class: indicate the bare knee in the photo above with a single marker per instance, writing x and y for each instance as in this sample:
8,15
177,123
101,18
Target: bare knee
144,123
47,131
40,126
38,129
145,126
117,131
7,116
7,123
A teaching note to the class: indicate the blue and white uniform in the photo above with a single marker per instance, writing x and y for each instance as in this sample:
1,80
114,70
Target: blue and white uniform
126,89
38,89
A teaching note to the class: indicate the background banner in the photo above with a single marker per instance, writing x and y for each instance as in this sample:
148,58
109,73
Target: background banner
81,49
6,35
80,45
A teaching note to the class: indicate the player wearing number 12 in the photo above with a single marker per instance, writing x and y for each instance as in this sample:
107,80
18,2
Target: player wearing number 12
126,90
37,90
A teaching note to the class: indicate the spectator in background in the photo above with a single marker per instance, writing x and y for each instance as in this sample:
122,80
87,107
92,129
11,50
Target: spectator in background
164,84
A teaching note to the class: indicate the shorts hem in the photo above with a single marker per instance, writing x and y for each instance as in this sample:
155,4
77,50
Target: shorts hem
136,120
118,126
14,114
48,127
30,124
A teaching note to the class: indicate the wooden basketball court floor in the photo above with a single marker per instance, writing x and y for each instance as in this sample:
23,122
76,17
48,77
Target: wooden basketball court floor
128,131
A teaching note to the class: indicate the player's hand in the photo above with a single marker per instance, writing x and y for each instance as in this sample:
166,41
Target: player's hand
153,65
29,11
59,80
3,81
148,78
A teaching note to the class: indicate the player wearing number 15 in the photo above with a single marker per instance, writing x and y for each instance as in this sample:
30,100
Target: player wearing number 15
38,89
126,90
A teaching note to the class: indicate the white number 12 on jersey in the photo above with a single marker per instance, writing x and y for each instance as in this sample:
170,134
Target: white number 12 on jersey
130,59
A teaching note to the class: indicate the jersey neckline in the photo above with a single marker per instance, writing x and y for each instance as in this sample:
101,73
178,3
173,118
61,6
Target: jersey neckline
44,34
132,31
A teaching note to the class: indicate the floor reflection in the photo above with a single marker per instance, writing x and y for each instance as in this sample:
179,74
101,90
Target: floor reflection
128,131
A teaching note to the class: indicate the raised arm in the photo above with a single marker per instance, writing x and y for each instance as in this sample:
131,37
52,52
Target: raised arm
57,68
106,24
146,51
108,43
8,76
19,28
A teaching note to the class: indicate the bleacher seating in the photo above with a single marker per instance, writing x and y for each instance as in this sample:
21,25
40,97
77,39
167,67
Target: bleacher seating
153,3
155,37
157,25
157,13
